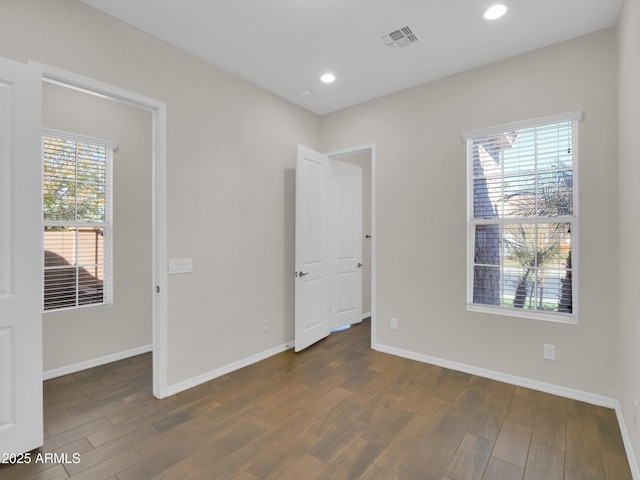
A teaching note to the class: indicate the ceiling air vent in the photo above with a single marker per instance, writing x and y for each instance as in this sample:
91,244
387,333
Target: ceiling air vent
399,38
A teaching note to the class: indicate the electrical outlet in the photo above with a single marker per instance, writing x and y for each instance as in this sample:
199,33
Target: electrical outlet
394,324
549,352
265,326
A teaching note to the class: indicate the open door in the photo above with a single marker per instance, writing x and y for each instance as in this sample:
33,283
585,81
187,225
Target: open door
21,427
328,284
312,282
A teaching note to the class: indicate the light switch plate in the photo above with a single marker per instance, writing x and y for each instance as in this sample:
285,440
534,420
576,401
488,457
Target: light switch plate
180,265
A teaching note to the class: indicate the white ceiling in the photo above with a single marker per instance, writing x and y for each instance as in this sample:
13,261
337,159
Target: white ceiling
285,45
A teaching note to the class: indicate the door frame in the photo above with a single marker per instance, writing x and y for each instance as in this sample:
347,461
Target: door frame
344,152
159,201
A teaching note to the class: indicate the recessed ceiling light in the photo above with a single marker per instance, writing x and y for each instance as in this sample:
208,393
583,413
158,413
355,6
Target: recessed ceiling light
328,78
495,11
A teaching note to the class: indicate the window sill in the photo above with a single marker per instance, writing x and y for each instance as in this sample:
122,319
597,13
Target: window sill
571,319
75,308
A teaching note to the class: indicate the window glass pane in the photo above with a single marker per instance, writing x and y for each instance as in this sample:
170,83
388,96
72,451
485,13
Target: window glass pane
519,242
486,285
483,206
90,286
92,162
59,246
59,288
91,202
518,287
90,246
555,193
59,200
59,159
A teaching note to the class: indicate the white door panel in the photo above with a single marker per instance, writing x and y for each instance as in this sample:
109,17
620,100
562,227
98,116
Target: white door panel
21,427
328,272
346,186
312,303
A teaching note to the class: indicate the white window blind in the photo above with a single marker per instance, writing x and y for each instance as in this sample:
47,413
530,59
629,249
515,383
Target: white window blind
522,218
77,220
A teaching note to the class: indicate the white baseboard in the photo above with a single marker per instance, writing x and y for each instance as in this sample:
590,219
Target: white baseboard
366,315
633,461
587,397
218,372
580,395
95,362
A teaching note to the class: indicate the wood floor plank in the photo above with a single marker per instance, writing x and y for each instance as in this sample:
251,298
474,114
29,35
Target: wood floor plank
551,422
447,434
472,397
512,444
544,462
296,423
397,455
335,442
470,459
183,469
383,431
450,388
609,432
522,409
425,465
616,466
279,397
353,461
79,432
308,467
487,421
111,466
110,449
500,470
582,417
228,467
583,453
56,472
285,455
374,472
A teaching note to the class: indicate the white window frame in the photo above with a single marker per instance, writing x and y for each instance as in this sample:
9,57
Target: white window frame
107,225
469,137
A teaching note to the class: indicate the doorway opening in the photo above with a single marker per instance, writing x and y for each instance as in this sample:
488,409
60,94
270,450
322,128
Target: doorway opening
158,277
365,157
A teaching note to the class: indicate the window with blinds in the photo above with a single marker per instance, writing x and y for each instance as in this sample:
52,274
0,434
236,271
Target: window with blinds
77,220
522,218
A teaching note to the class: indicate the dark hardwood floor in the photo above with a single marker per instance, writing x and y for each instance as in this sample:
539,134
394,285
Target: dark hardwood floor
336,411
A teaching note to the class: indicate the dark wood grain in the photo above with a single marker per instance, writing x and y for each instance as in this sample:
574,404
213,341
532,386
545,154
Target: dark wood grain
338,410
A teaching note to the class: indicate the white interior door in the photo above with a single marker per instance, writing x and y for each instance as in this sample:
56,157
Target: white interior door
21,427
312,263
346,236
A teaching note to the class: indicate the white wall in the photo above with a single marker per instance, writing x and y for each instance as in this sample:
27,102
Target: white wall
629,279
71,337
231,155
421,211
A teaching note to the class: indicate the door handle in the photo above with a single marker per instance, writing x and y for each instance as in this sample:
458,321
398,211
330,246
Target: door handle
359,265
302,274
